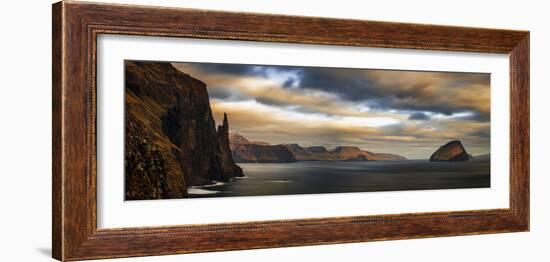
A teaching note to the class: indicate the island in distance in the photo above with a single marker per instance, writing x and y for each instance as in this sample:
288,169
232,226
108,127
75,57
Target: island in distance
182,140
292,169
245,151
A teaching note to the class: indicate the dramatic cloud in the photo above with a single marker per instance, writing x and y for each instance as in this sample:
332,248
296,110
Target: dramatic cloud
419,116
445,93
405,112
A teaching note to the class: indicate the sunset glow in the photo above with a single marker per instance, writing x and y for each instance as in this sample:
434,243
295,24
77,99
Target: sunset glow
404,112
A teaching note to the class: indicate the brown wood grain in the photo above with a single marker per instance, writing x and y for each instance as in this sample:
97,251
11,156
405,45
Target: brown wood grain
519,129
57,198
76,26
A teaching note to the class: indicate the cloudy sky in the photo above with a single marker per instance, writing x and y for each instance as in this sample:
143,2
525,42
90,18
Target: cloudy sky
410,113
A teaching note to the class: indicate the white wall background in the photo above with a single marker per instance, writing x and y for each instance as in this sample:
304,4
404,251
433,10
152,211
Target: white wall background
25,133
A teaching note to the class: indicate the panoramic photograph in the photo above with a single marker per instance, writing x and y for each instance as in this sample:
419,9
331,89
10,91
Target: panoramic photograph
201,130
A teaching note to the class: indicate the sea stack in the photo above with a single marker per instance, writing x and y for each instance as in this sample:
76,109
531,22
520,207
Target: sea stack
228,169
452,151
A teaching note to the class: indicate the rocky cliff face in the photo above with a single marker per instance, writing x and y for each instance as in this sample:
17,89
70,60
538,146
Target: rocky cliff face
300,153
228,168
235,140
172,141
350,153
254,153
246,151
147,168
452,151
319,153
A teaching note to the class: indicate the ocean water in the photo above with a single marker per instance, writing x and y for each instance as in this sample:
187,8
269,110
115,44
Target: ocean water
314,177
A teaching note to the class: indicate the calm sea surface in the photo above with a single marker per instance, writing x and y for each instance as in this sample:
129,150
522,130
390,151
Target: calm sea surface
312,177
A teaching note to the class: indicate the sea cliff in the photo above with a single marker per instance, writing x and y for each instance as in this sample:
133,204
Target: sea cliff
171,137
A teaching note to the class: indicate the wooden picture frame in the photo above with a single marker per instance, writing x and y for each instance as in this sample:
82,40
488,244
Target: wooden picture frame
76,26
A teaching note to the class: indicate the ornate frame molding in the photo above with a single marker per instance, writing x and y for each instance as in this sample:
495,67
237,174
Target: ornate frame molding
76,26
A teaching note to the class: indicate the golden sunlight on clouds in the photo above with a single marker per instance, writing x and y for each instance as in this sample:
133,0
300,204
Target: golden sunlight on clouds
467,90
403,112
270,90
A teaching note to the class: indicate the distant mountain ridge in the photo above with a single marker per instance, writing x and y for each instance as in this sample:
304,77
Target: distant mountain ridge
245,151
